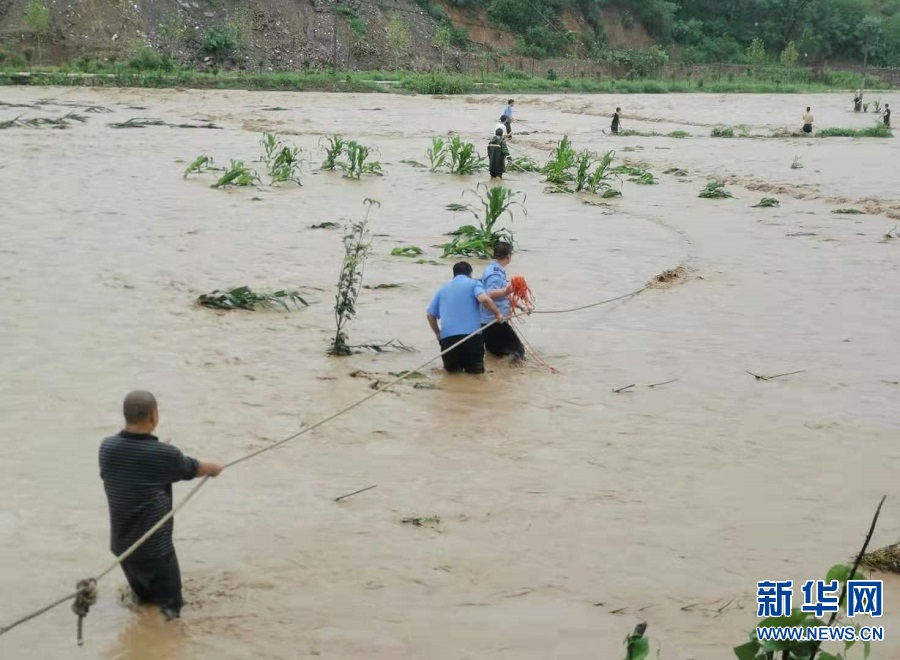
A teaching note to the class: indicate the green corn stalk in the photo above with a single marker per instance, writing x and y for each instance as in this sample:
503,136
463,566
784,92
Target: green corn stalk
237,174
437,154
334,147
200,164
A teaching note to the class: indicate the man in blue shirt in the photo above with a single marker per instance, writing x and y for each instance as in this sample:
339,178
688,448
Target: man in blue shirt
508,113
500,339
457,305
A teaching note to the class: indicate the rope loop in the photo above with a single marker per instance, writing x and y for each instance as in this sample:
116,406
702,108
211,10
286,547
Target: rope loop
86,593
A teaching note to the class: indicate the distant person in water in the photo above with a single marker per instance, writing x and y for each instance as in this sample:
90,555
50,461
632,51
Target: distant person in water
508,113
614,127
455,313
502,125
498,152
857,103
887,115
807,121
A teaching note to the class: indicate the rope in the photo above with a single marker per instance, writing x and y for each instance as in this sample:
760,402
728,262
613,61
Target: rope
85,594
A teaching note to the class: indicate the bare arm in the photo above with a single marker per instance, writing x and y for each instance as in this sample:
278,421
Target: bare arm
486,301
208,469
433,322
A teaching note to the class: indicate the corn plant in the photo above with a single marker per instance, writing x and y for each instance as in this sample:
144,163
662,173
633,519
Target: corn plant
237,174
479,241
437,153
582,169
522,164
272,145
356,164
334,147
715,190
285,165
645,179
561,161
463,159
356,248
201,164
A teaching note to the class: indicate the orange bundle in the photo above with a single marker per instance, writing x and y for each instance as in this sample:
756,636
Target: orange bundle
520,296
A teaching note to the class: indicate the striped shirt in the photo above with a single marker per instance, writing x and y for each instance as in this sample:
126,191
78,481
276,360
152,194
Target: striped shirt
138,472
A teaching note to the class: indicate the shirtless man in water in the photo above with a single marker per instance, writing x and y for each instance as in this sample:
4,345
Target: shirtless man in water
807,121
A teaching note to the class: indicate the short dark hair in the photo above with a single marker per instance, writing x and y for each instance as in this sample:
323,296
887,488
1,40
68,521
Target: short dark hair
499,131
807,108
503,118
510,102
502,250
462,268
138,406
618,109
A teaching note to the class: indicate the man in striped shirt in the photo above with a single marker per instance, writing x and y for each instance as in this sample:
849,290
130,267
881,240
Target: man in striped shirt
138,472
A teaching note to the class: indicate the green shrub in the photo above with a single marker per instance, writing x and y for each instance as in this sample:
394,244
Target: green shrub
218,43
147,59
358,26
722,132
437,83
879,130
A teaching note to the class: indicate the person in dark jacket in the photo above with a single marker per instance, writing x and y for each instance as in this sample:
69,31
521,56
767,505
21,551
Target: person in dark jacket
887,115
498,152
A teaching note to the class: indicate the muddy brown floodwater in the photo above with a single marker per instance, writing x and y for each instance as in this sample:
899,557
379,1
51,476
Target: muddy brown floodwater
567,512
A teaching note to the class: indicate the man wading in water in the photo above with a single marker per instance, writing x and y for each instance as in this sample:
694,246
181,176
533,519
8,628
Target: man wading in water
807,121
498,152
614,127
456,305
500,339
138,472
887,115
508,113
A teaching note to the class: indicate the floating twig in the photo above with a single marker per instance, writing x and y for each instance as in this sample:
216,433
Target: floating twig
789,373
355,492
622,389
667,382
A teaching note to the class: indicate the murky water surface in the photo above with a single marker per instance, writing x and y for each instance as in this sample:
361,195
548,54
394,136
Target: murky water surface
568,512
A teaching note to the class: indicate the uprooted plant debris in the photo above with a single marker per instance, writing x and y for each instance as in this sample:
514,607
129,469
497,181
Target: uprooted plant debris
145,122
422,522
669,278
244,298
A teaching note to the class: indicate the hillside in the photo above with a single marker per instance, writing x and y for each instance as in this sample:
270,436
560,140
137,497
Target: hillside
422,34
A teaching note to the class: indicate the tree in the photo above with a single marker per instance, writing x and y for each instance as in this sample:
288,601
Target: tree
37,18
756,53
789,56
443,39
398,39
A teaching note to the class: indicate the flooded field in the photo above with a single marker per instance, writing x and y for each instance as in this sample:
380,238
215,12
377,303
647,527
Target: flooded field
568,512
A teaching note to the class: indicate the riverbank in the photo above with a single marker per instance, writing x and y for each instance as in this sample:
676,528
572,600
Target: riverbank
395,82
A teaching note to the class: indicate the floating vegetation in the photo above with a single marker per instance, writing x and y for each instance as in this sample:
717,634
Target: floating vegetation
325,225
676,171
138,123
200,164
715,190
645,179
407,251
40,122
878,130
678,134
386,347
850,211
422,522
722,132
388,285
237,174
412,163
886,560
145,123
796,165
479,241
356,249
522,164
455,155
673,134
766,203
244,298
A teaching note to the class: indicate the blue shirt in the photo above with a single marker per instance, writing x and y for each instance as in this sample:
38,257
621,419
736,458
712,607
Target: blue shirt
508,110
494,277
456,305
